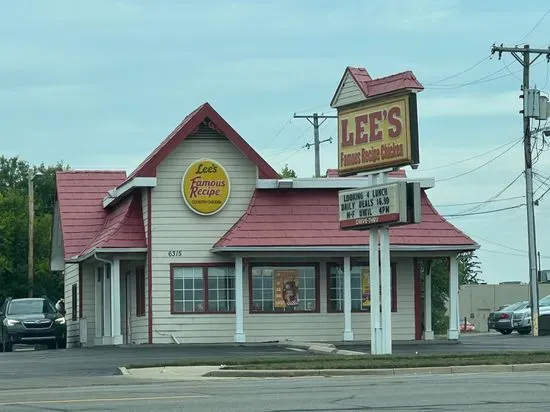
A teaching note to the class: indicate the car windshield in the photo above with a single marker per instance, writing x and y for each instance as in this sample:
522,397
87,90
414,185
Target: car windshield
545,301
30,307
515,306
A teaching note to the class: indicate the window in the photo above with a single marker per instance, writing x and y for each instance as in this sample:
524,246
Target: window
140,291
203,289
284,289
74,302
360,288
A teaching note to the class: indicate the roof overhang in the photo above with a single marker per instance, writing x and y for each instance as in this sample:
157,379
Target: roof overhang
115,195
333,183
114,250
345,249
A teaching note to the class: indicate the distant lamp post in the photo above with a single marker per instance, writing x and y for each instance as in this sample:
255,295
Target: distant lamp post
32,174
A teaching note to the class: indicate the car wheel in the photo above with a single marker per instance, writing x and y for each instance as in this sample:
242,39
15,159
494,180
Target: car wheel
524,332
505,331
62,344
52,345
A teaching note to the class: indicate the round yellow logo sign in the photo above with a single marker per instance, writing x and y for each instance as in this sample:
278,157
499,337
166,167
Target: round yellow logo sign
205,187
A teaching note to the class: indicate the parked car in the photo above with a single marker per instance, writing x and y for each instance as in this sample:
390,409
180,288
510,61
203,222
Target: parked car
521,319
467,327
501,319
31,321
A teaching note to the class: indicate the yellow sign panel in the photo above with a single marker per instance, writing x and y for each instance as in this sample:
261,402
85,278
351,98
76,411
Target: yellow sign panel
205,187
378,134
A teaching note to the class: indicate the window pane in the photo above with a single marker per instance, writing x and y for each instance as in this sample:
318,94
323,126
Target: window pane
284,289
188,289
221,288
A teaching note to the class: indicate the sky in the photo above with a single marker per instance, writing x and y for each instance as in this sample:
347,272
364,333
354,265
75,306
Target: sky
98,84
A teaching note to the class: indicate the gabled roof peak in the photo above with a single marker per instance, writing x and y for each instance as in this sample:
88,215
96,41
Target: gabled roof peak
202,115
369,87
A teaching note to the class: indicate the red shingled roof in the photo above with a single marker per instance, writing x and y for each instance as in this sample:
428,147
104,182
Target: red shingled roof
207,114
85,222
123,227
383,85
309,217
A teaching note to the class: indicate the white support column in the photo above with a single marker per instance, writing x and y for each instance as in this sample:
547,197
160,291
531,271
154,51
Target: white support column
116,332
348,331
374,277
428,332
385,280
453,331
240,336
107,304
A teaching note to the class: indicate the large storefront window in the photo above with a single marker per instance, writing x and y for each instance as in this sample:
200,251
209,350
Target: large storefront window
360,288
203,289
284,289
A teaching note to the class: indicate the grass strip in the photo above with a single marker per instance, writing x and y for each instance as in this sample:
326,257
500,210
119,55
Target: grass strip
361,361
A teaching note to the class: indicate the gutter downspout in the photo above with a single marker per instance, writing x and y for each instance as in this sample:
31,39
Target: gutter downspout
96,257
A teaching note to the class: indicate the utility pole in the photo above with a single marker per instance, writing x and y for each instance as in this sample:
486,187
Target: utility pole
523,56
316,141
30,261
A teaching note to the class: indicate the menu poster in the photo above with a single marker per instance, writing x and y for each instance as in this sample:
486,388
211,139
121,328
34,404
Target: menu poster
286,288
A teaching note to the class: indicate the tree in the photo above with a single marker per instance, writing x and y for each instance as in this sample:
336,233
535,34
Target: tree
469,269
288,173
14,229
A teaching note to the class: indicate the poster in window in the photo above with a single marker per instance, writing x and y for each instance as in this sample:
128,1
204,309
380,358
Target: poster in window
365,292
286,288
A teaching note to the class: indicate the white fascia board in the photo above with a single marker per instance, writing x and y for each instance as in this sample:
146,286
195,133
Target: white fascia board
118,193
345,249
338,182
76,259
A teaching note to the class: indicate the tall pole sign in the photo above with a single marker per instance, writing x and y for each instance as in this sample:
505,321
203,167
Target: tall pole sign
377,133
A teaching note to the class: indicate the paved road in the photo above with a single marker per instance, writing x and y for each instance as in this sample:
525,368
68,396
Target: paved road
474,343
103,361
489,392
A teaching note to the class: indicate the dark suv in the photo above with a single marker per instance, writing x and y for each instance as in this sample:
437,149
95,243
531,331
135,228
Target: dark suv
31,321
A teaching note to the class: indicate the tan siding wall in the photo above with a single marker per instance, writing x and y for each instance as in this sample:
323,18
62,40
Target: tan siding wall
71,278
321,326
330,326
350,92
137,324
175,227
88,299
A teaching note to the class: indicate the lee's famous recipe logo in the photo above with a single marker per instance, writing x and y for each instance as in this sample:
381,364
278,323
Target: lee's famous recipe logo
205,187
378,134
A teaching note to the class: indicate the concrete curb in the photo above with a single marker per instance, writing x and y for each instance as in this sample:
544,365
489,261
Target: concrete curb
377,372
123,371
322,348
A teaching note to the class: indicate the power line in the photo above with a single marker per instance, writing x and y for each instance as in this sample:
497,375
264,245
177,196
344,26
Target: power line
480,166
486,212
534,27
283,127
473,66
498,244
484,79
495,196
473,157
477,203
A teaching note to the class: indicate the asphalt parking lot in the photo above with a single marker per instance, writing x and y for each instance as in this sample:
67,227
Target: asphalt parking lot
104,361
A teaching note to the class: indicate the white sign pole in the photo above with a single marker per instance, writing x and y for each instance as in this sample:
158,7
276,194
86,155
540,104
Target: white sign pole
385,279
374,278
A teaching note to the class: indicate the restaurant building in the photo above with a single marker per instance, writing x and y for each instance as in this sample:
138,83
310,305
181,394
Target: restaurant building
205,243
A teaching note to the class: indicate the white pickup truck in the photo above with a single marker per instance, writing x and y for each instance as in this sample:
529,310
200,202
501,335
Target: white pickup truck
521,319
